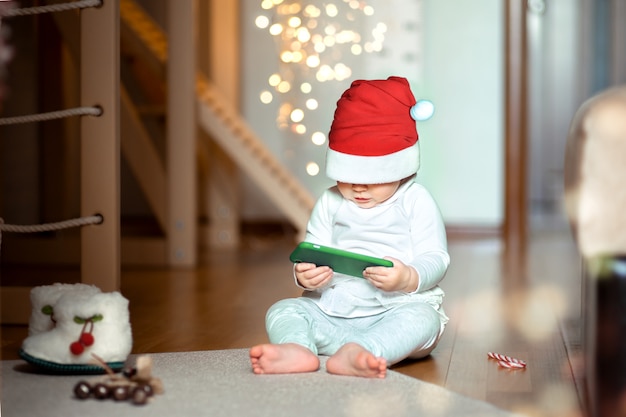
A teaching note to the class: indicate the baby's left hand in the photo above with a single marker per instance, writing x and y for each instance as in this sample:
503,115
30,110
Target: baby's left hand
399,277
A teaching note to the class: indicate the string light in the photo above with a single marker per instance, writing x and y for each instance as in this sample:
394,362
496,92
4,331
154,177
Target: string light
318,138
312,169
312,41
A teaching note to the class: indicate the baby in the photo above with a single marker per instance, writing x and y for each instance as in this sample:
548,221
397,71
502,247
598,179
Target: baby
366,324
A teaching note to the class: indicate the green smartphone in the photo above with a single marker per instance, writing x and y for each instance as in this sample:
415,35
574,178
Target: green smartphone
342,261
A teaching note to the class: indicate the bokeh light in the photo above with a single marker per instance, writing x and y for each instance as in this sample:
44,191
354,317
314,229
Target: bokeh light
312,169
312,42
266,97
318,138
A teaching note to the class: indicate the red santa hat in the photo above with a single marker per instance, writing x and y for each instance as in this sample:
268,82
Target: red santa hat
373,137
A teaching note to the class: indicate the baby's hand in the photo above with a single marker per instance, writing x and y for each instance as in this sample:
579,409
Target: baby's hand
311,276
399,277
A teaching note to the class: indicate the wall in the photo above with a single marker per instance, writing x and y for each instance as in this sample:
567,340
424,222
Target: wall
451,51
575,50
464,75
554,51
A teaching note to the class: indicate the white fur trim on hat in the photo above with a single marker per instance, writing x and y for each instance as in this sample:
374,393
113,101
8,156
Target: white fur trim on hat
358,169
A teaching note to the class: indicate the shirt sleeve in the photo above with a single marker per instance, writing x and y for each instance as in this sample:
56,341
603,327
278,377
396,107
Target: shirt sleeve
320,227
428,237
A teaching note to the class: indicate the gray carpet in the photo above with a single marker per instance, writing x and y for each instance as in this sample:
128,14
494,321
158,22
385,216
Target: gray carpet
221,383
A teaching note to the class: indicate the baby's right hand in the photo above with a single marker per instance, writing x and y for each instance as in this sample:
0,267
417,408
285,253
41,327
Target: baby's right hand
311,276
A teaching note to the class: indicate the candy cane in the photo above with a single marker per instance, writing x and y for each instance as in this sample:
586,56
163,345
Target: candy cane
515,363
511,365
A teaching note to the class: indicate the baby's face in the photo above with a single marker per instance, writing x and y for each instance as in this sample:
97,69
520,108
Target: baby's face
367,195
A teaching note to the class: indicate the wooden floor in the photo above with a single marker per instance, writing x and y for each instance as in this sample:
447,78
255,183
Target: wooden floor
530,311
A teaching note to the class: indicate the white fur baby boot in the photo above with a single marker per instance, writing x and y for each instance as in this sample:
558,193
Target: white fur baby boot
86,323
43,300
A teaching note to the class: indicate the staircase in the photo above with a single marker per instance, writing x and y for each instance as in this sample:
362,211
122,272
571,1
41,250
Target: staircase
221,121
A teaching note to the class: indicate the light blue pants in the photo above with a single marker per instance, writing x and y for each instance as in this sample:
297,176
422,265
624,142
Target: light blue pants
407,330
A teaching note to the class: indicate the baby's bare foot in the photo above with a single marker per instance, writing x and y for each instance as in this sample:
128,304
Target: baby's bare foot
282,359
354,360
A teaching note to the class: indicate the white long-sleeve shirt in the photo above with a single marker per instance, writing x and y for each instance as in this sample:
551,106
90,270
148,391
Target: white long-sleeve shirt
408,226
